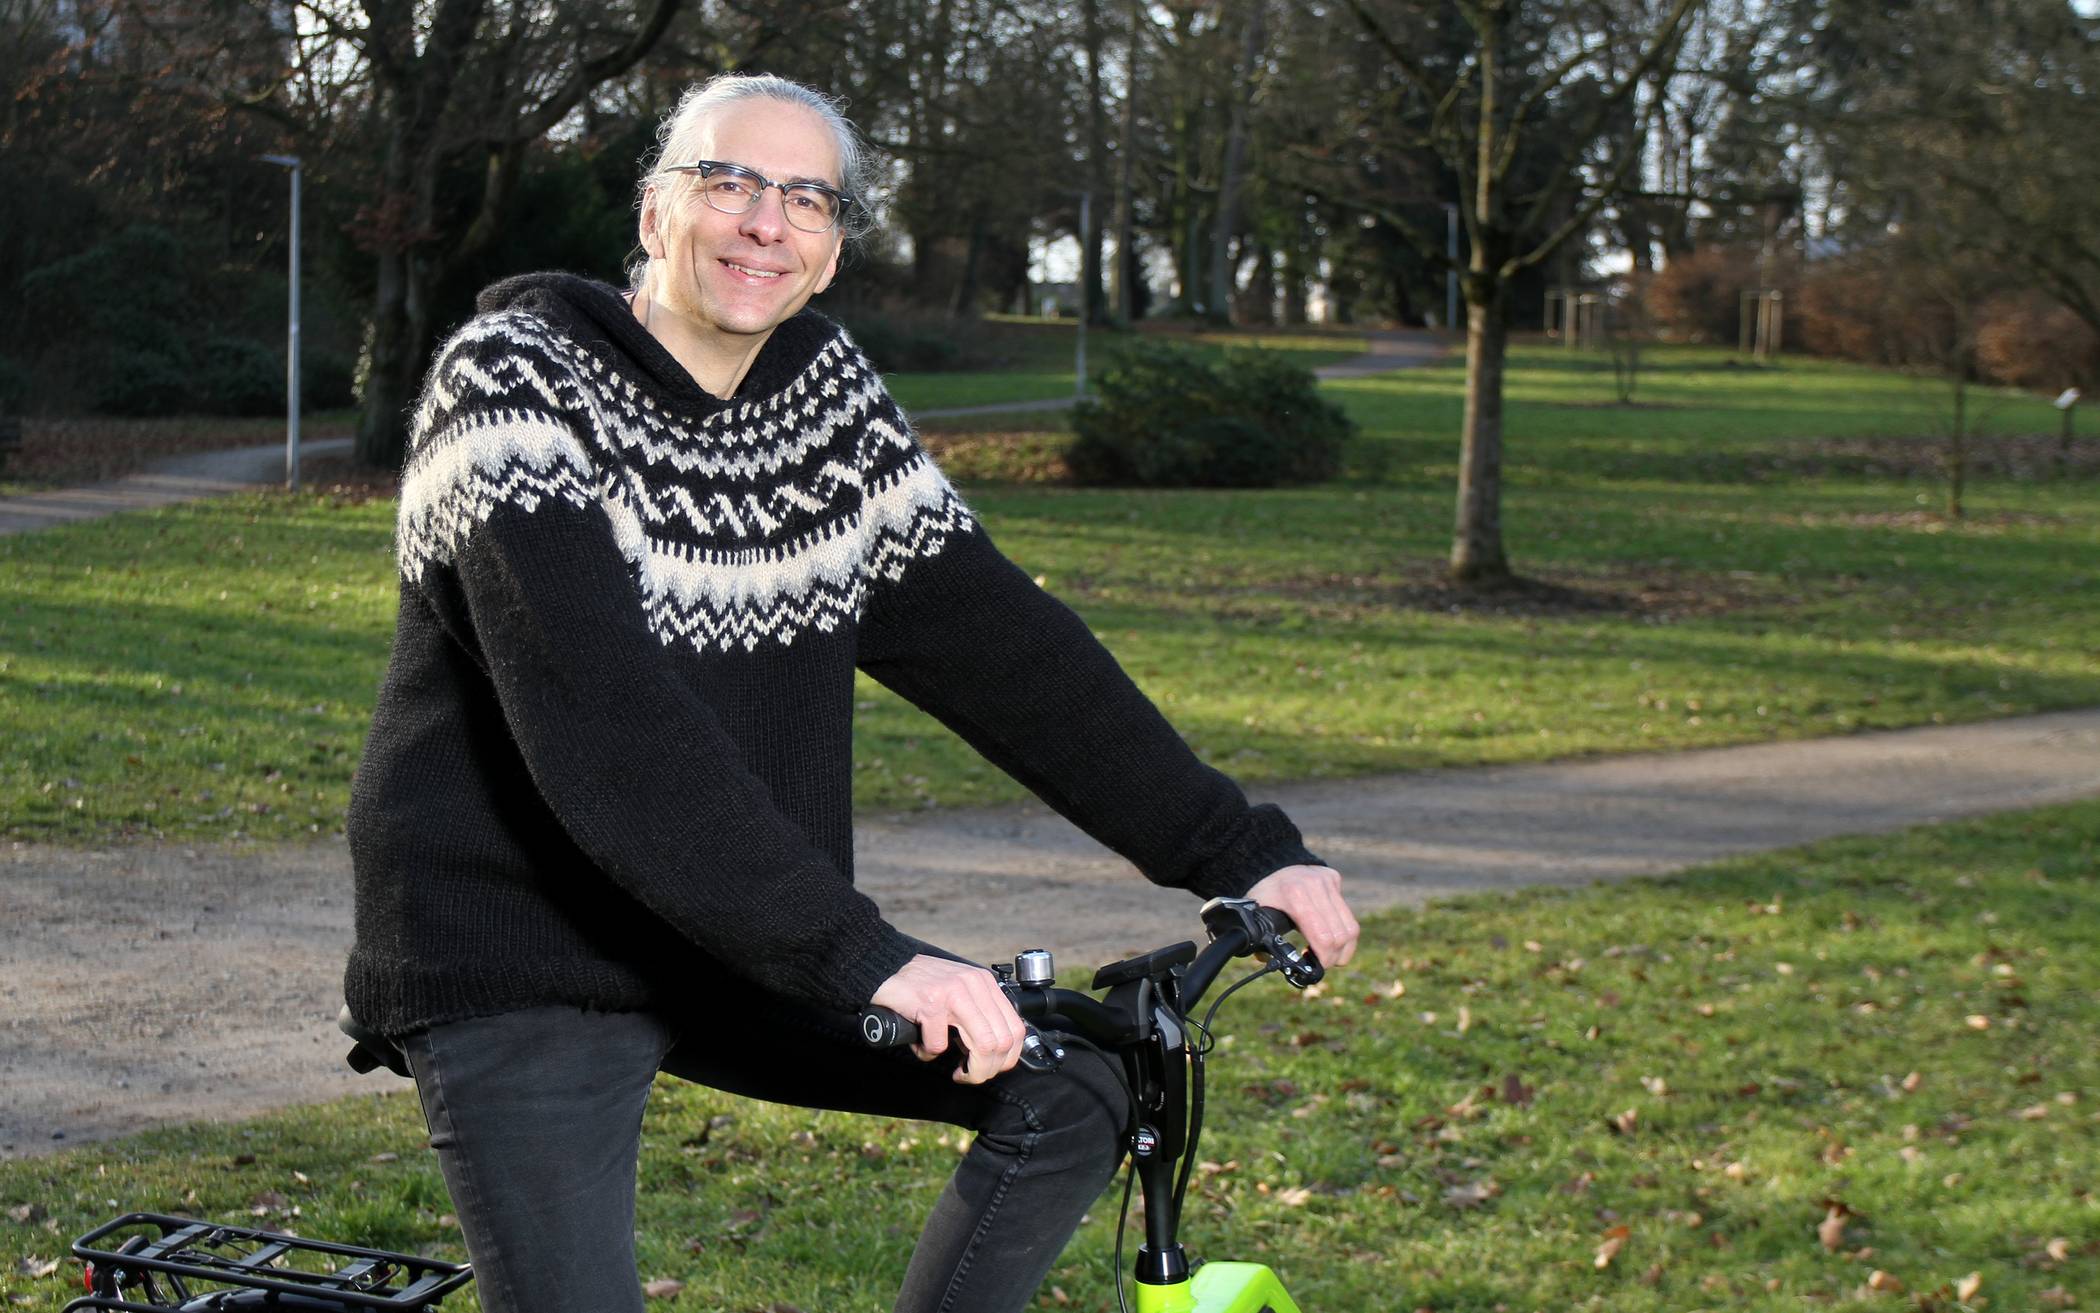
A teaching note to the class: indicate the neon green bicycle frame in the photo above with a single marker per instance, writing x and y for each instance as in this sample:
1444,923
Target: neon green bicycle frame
1219,1288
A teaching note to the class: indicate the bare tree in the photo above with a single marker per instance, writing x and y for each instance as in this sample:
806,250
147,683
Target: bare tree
1580,67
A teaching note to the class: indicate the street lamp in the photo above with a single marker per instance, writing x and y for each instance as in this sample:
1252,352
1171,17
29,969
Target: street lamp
291,368
1086,293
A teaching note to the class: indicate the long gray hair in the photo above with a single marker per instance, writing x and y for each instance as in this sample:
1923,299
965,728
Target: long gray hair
678,139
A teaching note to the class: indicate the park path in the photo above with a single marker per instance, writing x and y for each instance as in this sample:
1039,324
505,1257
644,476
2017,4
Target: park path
177,479
215,473
154,984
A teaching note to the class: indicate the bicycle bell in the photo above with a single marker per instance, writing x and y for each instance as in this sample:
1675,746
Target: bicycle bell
1033,967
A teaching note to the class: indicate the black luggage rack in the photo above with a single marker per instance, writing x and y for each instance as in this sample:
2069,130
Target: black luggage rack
181,1263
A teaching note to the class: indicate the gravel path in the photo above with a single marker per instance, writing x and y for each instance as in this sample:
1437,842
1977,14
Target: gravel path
147,985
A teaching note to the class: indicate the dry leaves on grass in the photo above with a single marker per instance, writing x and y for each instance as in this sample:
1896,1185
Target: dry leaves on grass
663,1288
1472,1194
1831,1230
1608,1248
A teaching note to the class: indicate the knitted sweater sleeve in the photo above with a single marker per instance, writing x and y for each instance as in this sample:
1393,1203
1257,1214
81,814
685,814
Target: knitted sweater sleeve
504,537
965,634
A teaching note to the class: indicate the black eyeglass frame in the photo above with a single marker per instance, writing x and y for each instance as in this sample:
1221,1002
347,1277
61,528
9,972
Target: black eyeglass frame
709,168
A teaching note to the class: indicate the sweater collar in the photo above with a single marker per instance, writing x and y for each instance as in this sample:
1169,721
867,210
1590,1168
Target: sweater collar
599,316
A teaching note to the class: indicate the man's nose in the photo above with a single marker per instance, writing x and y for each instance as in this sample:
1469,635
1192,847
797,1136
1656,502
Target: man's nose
767,220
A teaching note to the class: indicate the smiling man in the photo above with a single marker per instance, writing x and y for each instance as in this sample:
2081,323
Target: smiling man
602,827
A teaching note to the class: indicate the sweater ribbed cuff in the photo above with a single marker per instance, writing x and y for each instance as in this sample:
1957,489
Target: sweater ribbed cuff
1265,844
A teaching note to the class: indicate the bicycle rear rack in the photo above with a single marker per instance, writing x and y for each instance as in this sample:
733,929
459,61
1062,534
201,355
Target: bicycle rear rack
181,1263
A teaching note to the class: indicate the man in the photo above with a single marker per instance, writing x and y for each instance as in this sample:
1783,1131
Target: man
602,827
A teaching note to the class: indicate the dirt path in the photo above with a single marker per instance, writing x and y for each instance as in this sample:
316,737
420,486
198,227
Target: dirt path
140,986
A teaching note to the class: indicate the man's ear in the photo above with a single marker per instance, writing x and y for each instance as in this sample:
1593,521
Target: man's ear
651,234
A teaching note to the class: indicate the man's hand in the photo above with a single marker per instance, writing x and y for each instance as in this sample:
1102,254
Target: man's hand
938,994
1312,897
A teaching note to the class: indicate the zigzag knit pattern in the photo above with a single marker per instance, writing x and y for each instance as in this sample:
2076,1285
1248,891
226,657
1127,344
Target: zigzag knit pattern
757,522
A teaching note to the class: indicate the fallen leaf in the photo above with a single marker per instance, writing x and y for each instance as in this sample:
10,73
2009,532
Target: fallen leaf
1059,1297
1465,1018
663,1288
1295,1197
1515,1091
1977,1021
37,1268
1655,1085
2055,1297
1966,1288
1396,990
1912,1082
2058,1249
25,1214
1608,1249
1831,1230
1625,1121
1472,1194
2033,1113
1883,1281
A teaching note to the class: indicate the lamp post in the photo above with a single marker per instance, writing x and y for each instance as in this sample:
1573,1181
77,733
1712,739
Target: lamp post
291,367
1086,292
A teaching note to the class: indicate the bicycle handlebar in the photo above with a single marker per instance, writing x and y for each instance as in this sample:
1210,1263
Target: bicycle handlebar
1238,928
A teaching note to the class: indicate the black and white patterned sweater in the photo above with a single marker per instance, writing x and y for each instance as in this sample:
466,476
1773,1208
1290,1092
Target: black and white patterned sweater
611,758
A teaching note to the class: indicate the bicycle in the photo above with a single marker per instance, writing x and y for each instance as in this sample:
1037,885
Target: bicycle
154,1262
1145,1022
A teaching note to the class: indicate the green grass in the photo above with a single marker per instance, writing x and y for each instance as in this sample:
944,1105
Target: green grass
1733,568
1901,1028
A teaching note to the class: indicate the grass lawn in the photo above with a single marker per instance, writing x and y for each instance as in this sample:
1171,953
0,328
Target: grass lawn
1749,554
1862,1075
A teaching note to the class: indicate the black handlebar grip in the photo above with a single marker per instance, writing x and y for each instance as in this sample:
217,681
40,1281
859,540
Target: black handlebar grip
884,1029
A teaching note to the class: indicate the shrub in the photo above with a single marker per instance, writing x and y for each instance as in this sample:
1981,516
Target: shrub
1698,296
1167,417
2028,342
240,377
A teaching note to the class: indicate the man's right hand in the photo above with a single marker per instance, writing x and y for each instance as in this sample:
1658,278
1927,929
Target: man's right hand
939,994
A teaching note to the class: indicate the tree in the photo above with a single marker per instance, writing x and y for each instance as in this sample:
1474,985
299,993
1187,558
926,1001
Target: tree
1983,112
1582,66
470,84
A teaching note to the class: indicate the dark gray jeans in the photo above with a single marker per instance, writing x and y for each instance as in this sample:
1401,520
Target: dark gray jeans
536,1118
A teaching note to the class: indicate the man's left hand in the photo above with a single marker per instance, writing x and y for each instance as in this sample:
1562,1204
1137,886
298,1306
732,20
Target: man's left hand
1312,897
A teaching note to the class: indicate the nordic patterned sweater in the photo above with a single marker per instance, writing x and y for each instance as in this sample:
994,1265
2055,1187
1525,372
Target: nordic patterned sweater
611,758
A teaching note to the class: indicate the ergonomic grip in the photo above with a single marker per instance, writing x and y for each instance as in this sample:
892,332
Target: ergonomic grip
884,1029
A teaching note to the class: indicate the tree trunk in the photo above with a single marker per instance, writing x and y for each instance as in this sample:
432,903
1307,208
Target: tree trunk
1295,264
1219,302
1094,301
1126,270
1259,305
400,345
965,303
1957,446
1476,546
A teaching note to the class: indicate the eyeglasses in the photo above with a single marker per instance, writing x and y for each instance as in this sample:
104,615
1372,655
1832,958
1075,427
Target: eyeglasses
733,189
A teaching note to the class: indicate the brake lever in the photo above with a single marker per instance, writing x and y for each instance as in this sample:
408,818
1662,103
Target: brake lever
1301,967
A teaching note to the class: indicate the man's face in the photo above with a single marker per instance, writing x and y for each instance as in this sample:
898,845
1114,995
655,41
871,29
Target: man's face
736,276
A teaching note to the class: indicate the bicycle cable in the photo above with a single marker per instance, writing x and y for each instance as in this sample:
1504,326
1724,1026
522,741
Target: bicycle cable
1197,1054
